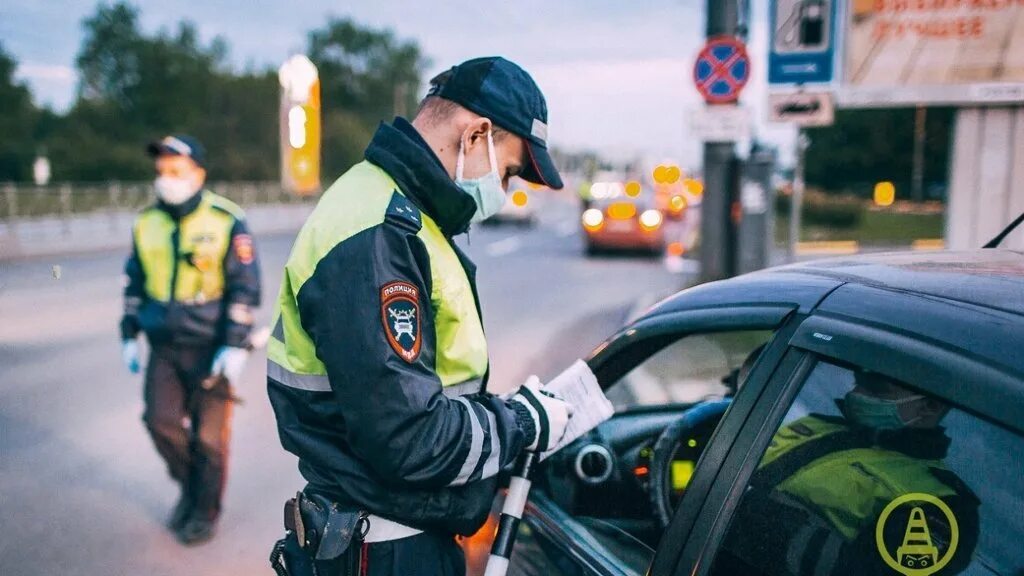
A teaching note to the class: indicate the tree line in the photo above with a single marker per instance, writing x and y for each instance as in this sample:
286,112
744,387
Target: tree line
135,87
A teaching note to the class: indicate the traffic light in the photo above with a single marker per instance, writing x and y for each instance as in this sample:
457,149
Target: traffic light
300,126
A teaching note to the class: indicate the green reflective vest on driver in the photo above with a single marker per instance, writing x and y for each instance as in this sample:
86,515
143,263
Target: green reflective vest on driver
850,488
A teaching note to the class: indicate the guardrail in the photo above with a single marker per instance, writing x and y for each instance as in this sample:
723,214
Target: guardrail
73,217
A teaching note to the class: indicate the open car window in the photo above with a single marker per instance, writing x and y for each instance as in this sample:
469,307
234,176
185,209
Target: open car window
691,369
606,488
867,475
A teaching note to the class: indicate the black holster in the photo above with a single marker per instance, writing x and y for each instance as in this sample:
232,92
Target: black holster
321,539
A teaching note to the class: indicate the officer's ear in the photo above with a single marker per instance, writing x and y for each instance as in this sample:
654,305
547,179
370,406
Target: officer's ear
199,175
476,132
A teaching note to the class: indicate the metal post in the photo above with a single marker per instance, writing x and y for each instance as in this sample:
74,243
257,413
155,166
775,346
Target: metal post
716,207
11,191
917,175
797,200
65,209
114,199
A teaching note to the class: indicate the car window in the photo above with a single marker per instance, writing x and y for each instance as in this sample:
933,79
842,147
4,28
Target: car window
694,368
867,475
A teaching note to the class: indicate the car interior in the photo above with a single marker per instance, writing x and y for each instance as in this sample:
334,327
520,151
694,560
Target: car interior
617,488
624,479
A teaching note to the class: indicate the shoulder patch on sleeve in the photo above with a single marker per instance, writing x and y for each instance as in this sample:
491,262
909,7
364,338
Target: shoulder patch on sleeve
403,212
242,245
400,313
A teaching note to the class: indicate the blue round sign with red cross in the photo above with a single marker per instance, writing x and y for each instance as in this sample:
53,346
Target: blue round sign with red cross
722,70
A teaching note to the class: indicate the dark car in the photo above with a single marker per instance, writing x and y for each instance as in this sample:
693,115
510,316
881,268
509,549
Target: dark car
851,416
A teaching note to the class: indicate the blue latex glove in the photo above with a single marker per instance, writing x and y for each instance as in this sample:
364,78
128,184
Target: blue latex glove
130,355
230,361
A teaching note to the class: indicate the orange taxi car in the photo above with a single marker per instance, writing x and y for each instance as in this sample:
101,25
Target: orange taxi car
622,217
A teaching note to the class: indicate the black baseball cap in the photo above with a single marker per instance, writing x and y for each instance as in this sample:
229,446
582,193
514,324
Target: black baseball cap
179,145
502,91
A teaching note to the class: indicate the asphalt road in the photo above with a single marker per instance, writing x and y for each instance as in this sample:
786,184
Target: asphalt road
82,489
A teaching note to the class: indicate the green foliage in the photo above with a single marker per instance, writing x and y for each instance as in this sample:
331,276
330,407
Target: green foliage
863,147
17,124
135,87
366,77
819,209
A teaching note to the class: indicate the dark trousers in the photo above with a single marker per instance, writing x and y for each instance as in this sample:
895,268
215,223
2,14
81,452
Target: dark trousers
426,554
190,429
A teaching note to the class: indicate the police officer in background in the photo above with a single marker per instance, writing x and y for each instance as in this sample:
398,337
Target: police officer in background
192,283
377,362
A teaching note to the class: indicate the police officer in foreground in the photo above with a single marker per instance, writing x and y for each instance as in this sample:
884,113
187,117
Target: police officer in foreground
192,283
377,362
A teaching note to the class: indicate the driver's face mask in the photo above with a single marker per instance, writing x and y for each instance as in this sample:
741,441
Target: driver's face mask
878,413
486,190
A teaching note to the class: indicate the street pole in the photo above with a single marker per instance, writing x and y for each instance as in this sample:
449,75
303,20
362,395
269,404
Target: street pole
917,176
717,231
797,200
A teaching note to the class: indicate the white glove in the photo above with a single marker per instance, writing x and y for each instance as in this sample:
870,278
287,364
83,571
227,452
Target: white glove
550,414
130,355
230,361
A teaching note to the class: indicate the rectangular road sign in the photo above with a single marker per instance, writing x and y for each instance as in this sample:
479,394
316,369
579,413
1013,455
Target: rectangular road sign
802,43
720,123
801,108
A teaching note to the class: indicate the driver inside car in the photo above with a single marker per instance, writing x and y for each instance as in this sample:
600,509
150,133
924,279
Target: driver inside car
813,503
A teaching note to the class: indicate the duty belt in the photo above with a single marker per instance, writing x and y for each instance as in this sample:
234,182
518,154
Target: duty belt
323,527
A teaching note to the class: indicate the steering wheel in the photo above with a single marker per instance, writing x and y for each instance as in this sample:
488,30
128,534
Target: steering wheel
697,422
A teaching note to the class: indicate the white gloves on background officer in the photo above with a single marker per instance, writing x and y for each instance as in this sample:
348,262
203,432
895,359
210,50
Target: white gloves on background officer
230,361
130,355
550,414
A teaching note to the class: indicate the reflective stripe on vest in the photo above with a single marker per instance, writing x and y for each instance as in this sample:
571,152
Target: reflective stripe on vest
356,202
849,488
203,240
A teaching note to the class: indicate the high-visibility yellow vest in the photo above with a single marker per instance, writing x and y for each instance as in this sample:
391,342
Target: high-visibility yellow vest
185,260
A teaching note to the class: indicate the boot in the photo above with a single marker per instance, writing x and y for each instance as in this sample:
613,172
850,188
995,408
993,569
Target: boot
182,510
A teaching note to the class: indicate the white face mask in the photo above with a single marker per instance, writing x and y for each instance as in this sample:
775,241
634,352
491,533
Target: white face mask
486,190
174,191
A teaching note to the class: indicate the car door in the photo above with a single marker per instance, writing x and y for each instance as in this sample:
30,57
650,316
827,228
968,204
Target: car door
868,458
676,358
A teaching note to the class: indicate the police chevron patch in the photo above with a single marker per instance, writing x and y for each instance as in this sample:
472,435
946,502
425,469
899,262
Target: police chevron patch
400,314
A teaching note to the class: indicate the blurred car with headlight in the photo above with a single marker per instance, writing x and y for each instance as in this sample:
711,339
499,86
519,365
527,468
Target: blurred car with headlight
520,205
623,216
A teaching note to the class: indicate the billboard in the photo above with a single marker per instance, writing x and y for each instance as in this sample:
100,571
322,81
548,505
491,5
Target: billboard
933,52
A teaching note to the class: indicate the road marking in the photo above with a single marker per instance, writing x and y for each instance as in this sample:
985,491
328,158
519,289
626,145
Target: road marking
502,247
828,247
566,229
928,244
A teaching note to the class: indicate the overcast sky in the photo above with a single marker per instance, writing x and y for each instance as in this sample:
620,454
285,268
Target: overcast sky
617,75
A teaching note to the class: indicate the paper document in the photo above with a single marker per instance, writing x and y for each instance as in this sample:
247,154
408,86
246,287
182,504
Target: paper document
578,386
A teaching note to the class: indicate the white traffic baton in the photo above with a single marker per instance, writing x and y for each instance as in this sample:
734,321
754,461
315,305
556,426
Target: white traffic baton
511,514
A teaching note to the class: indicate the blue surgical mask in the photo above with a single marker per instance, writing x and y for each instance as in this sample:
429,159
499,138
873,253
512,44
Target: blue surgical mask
486,190
877,413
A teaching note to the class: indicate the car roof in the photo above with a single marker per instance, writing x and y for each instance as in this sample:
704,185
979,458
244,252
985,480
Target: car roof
990,278
969,300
